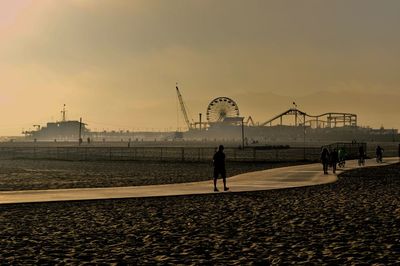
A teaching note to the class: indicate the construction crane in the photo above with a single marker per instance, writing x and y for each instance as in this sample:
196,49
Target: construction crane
183,108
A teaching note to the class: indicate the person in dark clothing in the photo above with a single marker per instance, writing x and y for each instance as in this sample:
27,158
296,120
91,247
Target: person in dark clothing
325,160
379,154
342,157
219,167
361,154
334,159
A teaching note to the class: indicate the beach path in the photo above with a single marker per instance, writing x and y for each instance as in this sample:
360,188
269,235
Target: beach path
285,177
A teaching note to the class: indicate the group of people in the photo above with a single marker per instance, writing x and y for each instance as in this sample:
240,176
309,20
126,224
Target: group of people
330,158
335,157
362,155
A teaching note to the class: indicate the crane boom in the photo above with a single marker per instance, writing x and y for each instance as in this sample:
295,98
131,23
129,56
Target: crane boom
183,108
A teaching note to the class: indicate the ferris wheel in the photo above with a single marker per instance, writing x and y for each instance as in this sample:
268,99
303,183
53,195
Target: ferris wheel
220,108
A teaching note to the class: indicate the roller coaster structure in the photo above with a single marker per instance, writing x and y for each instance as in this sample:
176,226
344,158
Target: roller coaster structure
326,120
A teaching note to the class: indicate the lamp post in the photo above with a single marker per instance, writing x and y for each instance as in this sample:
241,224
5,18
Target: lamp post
304,136
242,132
200,120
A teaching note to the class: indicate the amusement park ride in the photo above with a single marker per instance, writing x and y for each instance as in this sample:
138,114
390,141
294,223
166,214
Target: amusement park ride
225,110
223,120
219,110
315,121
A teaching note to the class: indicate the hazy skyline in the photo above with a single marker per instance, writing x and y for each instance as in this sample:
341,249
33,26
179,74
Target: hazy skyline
115,63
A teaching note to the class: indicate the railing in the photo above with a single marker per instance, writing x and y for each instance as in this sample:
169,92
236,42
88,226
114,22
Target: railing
254,154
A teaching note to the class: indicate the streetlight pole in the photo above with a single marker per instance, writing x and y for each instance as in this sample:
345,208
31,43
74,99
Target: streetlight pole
304,136
200,120
242,132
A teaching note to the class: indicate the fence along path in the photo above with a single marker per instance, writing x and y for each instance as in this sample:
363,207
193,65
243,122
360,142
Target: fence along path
96,153
255,154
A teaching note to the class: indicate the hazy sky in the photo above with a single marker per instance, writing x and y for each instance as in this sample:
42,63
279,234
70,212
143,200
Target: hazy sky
115,63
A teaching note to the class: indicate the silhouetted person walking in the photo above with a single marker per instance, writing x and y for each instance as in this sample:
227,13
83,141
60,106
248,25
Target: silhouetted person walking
219,167
361,154
325,160
334,159
379,154
342,157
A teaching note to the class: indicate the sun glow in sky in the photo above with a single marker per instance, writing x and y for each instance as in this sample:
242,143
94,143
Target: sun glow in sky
115,63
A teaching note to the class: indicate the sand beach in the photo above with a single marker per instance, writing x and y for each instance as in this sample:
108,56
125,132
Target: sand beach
353,221
58,174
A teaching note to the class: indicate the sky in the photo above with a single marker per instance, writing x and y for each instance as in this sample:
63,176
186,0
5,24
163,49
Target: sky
115,63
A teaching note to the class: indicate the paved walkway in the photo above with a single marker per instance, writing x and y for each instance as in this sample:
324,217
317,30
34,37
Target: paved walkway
286,177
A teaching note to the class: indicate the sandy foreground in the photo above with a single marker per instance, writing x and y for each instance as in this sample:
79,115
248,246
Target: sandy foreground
355,220
52,174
